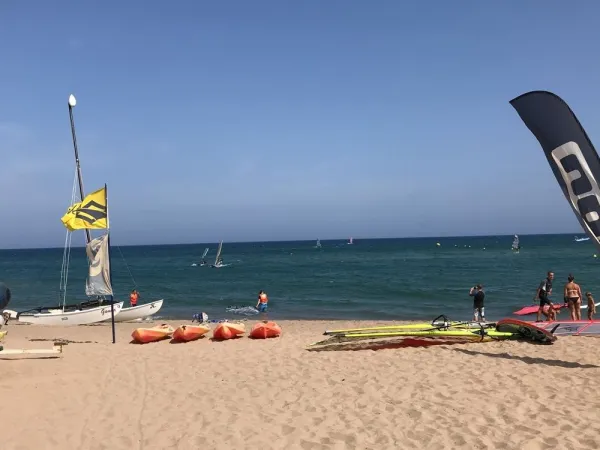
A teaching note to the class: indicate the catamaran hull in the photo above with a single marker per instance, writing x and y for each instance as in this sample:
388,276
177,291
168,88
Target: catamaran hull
138,312
71,318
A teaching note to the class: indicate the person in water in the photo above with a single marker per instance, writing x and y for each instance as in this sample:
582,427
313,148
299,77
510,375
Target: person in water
220,262
542,294
133,298
573,298
591,305
262,302
478,297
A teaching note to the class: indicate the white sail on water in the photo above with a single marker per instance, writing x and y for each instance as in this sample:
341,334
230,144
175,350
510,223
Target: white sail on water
205,253
219,253
515,244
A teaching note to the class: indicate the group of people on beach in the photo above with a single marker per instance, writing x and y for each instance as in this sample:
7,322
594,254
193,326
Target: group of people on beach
572,297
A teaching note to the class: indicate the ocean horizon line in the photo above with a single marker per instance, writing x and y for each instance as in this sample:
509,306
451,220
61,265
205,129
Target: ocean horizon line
344,239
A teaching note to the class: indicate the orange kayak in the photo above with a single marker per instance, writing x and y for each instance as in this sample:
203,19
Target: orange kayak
145,335
228,330
186,333
263,330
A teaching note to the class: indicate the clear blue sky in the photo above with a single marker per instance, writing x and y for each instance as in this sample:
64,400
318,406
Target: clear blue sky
263,120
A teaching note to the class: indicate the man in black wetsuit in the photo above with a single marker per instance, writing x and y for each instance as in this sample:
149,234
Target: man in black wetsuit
478,297
542,293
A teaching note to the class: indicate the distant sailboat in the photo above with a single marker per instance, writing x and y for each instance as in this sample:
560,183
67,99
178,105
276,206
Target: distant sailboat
516,246
318,243
218,260
203,260
581,239
351,241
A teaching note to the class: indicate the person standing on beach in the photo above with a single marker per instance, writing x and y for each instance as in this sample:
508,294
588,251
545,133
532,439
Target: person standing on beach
591,305
478,297
573,298
542,293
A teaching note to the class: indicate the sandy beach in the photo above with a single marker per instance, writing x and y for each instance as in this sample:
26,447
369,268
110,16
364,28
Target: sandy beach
274,394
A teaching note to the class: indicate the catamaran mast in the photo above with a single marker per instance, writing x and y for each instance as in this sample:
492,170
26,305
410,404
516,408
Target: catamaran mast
72,103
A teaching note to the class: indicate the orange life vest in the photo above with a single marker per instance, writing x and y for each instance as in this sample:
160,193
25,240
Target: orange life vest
133,298
263,298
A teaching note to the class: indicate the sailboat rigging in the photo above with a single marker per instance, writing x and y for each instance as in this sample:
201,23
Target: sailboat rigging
90,213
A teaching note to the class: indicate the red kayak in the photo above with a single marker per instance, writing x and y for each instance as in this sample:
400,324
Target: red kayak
533,309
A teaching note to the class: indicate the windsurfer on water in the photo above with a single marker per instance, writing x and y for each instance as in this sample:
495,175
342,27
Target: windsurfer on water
542,293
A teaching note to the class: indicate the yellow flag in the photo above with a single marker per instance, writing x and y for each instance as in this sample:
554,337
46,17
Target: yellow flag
90,213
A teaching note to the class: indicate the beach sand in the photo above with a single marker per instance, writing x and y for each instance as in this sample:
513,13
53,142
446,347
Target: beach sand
274,394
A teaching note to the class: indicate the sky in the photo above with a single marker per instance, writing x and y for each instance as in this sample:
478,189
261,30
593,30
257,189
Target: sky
277,120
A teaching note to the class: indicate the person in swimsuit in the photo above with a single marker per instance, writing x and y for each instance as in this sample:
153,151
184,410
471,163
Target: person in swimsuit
478,297
542,293
591,305
573,298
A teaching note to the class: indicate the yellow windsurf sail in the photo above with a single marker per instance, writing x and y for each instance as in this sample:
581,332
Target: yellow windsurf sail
91,213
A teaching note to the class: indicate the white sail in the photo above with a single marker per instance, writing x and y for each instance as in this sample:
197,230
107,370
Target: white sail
318,243
219,253
98,282
515,244
205,253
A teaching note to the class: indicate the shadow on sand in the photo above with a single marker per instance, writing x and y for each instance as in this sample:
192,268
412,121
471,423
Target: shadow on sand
529,359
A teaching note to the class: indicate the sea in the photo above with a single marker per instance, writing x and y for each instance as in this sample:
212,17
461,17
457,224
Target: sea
379,279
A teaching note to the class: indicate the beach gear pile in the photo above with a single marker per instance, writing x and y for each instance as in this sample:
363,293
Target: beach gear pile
441,331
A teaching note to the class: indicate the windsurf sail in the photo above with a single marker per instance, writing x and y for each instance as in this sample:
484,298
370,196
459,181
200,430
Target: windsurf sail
205,253
318,243
515,245
569,152
218,257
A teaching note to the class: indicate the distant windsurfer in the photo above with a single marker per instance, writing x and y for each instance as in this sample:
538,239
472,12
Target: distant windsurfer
478,297
220,262
542,294
573,298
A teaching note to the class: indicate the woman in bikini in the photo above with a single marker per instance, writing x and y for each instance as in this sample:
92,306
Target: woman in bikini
573,298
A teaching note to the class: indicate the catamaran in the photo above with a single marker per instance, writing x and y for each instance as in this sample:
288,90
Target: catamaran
203,260
218,260
351,241
515,245
581,239
91,213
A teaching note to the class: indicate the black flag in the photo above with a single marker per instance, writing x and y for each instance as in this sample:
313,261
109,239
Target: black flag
569,151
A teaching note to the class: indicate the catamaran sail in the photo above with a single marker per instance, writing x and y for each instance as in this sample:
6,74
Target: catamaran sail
351,241
515,245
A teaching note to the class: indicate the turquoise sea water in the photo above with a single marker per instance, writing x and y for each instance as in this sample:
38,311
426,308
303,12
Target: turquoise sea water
371,279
